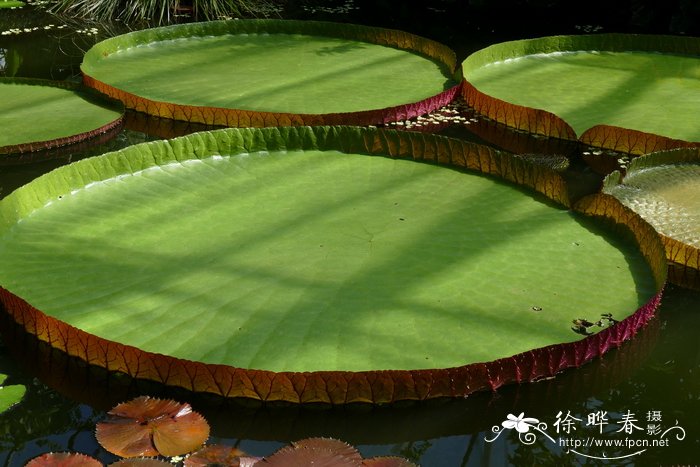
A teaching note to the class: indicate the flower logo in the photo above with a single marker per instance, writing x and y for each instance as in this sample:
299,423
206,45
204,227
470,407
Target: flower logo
520,423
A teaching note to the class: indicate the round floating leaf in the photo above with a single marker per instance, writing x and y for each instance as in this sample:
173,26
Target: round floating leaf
287,73
316,451
64,459
10,394
140,462
11,4
663,188
635,93
217,454
59,112
293,264
148,427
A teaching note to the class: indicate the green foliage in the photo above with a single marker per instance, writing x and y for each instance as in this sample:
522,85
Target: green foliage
10,3
10,394
159,12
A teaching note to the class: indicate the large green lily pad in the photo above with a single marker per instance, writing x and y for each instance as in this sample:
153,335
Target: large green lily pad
11,3
663,188
270,72
39,114
565,85
295,251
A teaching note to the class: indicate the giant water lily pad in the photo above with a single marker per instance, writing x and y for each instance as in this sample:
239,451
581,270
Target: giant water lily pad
663,188
10,394
11,3
626,92
296,264
274,73
39,114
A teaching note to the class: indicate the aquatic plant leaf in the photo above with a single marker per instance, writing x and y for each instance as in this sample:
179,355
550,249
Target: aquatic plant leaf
219,454
64,459
146,426
61,114
630,141
329,444
10,395
140,462
315,451
315,159
387,461
520,117
287,73
626,84
662,187
11,4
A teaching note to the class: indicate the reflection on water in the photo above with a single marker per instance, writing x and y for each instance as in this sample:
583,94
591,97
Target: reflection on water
656,374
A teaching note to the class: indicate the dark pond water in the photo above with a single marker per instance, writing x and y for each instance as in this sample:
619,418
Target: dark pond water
654,379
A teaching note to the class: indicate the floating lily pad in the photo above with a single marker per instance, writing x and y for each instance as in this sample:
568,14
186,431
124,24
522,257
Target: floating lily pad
663,188
294,264
64,459
253,73
38,114
315,451
387,461
219,454
141,462
10,395
145,427
11,3
625,92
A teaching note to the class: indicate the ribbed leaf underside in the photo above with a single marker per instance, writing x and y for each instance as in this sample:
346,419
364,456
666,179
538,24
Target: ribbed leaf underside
39,114
663,188
259,73
288,264
628,93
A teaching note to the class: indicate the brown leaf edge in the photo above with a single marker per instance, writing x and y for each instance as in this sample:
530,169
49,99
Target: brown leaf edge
230,117
629,141
683,259
542,122
35,146
531,120
342,387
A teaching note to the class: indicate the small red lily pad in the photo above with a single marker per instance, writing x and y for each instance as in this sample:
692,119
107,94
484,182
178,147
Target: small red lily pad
140,462
220,454
317,452
387,461
147,426
64,459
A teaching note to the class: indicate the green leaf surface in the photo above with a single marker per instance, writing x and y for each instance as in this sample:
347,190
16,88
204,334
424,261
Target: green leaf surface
10,394
645,83
11,3
37,114
273,66
237,247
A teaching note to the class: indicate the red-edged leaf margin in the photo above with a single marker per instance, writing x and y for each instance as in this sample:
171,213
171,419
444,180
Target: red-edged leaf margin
34,146
230,117
336,387
545,123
